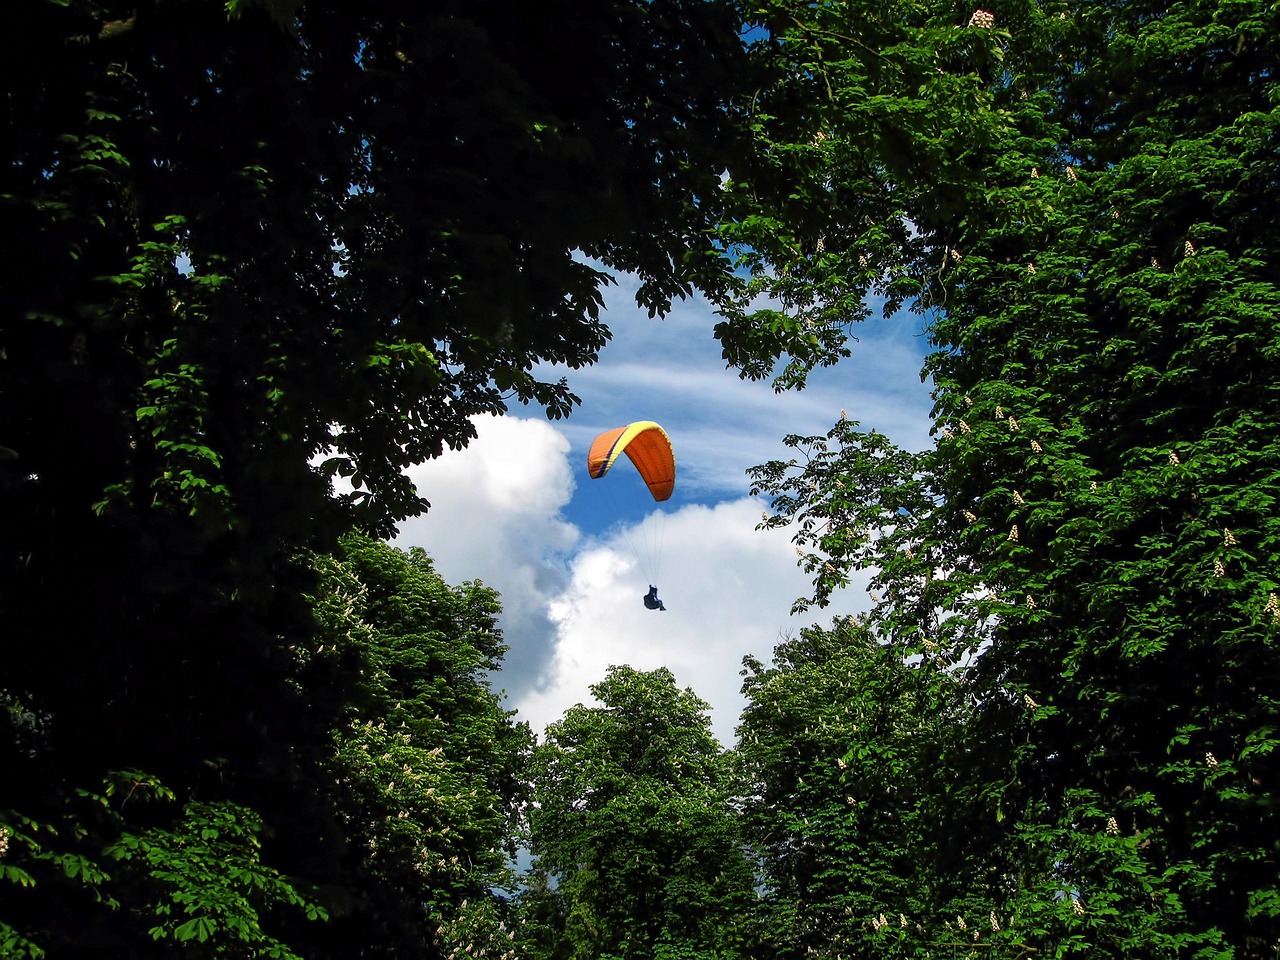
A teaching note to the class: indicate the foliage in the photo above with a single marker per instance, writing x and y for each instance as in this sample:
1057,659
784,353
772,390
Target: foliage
841,748
631,820
194,876
411,808
481,928
1088,543
252,248
429,768
257,246
225,218
864,134
207,868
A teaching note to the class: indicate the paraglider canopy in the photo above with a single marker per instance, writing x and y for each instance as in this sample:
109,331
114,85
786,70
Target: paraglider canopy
649,448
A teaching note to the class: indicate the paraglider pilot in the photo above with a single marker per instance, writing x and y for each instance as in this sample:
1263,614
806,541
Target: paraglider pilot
651,599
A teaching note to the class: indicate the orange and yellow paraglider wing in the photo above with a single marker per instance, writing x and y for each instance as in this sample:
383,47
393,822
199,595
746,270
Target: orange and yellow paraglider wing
649,448
604,450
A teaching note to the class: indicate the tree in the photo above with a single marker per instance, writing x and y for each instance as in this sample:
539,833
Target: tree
430,768
849,764
632,822
396,834
865,131
250,247
190,879
1088,537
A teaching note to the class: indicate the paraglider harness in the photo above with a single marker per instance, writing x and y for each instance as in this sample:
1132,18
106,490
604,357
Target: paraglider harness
651,599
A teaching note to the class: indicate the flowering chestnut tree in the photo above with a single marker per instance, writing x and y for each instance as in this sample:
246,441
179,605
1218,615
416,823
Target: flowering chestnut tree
631,821
1090,544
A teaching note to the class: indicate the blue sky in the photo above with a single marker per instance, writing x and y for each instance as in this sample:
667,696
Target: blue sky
517,510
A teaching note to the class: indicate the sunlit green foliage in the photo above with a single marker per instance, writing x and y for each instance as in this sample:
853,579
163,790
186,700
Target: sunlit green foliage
1090,543
429,768
632,821
841,748
132,869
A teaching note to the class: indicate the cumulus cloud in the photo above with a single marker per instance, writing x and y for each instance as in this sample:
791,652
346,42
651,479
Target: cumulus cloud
572,604
496,517
728,589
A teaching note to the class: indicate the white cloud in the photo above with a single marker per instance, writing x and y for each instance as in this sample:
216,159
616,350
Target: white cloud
496,517
728,589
